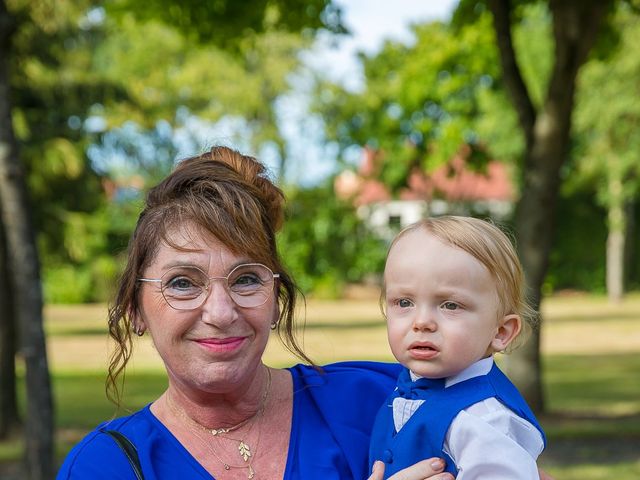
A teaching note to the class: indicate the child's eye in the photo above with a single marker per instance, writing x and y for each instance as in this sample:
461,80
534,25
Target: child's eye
404,303
450,306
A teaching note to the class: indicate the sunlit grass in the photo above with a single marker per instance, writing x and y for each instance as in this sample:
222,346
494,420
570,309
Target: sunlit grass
590,471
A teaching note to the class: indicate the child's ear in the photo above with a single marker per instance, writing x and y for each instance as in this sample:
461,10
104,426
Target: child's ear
508,329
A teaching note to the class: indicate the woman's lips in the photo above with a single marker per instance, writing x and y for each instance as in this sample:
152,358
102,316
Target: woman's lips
219,345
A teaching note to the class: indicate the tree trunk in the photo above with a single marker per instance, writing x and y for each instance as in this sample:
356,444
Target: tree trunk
25,276
630,255
616,238
9,420
547,134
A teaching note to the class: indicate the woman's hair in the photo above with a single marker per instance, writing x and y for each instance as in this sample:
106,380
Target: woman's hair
221,192
493,248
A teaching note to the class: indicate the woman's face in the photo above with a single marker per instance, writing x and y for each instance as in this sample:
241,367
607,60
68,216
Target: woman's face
217,347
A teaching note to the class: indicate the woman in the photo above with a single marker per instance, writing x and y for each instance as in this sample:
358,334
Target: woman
205,281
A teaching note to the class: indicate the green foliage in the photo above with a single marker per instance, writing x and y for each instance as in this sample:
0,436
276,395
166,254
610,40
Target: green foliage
608,123
421,102
66,284
578,257
53,87
325,244
84,269
228,22
78,69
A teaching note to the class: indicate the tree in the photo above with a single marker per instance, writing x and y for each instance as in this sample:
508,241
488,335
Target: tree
24,276
338,249
420,104
610,139
9,419
228,23
546,130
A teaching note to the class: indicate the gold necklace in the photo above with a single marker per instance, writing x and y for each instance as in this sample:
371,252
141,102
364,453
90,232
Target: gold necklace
243,447
246,454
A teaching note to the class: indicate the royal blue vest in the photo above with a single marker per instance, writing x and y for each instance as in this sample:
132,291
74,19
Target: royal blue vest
424,434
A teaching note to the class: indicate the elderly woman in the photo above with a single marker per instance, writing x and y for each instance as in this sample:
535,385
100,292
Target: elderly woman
205,281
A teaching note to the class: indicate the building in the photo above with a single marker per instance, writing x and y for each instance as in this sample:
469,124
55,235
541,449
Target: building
450,189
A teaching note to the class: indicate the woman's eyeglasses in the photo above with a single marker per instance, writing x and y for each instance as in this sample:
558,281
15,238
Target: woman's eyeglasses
187,287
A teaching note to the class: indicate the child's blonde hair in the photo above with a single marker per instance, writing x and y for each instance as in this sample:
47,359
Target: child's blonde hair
493,248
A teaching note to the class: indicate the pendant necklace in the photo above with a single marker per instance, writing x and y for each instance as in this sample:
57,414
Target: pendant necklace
244,450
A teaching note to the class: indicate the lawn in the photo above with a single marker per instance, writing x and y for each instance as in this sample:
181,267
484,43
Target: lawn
591,368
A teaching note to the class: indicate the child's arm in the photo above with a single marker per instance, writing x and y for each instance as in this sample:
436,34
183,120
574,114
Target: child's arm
488,440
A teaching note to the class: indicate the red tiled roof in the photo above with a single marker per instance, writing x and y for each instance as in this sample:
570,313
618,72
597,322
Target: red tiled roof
452,182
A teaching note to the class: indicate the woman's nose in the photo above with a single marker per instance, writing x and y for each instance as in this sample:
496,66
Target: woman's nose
219,308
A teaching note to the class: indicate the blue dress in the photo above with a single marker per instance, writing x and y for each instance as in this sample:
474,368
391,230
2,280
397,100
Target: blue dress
333,414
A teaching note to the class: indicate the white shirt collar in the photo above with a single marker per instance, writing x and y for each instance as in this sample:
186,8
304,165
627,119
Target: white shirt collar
481,367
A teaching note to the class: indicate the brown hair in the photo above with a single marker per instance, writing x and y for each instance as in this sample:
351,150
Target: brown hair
221,192
493,248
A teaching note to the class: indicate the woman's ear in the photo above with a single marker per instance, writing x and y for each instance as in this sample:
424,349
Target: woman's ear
508,329
137,323
276,315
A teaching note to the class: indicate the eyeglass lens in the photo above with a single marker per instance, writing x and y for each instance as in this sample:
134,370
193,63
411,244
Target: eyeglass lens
187,287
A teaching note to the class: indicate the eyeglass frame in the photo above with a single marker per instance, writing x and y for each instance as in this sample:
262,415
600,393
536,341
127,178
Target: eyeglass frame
206,287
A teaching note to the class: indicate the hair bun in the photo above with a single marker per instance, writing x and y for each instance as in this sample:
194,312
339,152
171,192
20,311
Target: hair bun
256,175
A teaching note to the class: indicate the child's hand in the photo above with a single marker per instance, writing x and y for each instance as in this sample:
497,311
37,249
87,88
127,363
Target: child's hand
425,470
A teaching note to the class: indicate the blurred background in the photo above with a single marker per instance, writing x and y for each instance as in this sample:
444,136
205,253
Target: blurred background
370,115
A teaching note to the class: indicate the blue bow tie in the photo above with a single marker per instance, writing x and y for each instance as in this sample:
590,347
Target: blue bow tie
411,390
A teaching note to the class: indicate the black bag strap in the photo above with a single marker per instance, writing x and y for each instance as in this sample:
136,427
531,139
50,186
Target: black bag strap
129,450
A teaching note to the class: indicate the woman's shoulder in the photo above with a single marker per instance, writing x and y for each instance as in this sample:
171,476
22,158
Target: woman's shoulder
98,455
359,381
334,410
352,370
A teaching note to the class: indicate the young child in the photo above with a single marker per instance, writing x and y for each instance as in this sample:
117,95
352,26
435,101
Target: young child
452,297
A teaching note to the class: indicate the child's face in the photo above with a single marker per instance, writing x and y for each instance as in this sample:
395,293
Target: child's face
441,305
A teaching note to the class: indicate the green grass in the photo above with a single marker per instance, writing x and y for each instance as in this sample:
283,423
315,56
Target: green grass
607,385
593,424
80,404
87,389
589,471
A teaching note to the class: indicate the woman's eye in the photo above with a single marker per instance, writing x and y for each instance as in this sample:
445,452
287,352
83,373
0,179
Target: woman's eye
180,283
247,280
450,306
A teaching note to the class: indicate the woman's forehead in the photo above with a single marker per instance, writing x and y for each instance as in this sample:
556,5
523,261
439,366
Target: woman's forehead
191,238
192,246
